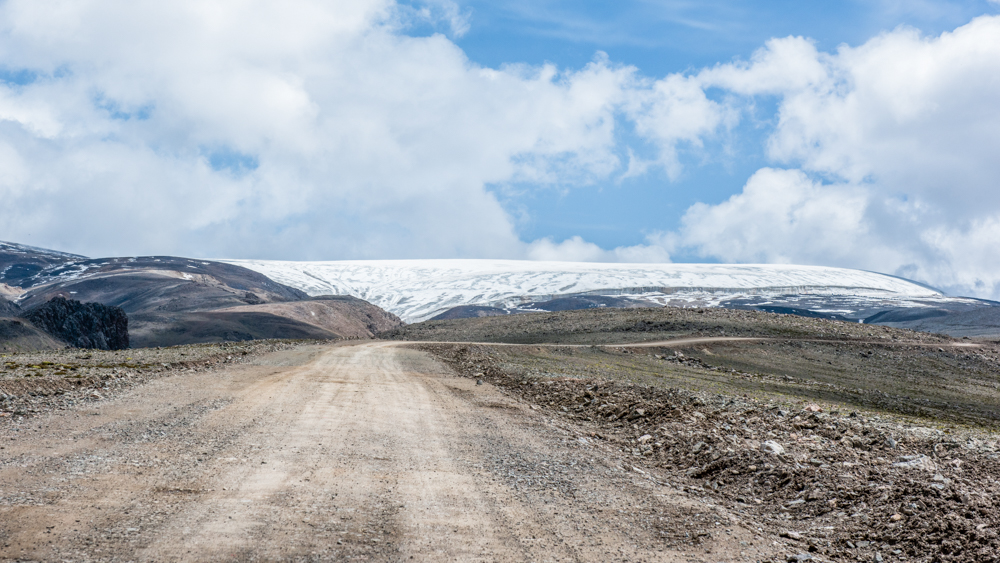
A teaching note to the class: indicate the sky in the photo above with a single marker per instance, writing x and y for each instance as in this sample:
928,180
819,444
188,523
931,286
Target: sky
843,133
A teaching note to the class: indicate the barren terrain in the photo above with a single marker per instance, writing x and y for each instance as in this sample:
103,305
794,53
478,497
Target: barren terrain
711,436
370,451
823,480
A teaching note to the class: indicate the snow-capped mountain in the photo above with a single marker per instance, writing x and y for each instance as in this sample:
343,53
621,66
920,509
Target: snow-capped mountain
417,290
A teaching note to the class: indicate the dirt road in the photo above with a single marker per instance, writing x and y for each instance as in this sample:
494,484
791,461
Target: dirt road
371,452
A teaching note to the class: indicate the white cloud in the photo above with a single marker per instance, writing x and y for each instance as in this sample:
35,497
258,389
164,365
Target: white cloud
315,129
904,131
784,216
782,65
575,249
671,112
781,217
969,261
443,11
309,129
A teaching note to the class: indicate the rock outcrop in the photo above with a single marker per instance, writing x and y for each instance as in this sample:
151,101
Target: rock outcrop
82,325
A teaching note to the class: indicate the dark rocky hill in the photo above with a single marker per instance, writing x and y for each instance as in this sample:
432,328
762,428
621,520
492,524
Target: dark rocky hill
156,283
171,300
82,325
54,325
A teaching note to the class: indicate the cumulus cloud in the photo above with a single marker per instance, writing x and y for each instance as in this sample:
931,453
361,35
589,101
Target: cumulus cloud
306,129
894,141
782,216
575,249
322,130
674,112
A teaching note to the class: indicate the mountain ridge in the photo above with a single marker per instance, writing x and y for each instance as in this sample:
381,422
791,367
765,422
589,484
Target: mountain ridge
417,290
174,300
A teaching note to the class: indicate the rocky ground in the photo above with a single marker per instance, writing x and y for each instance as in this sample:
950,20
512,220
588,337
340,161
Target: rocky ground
673,435
39,382
832,483
846,441
750,352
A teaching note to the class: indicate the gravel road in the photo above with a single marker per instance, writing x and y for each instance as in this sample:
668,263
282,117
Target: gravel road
366,451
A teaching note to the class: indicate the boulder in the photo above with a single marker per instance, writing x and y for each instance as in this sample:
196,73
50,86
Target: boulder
772,447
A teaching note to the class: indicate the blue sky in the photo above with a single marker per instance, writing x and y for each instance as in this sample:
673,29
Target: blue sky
660,38
854,134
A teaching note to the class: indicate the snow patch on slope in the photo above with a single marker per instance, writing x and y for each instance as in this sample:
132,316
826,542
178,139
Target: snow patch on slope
14,248
417,290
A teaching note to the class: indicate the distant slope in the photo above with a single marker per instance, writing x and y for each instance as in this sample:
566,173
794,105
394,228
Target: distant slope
322,318
172,300
156,283
615,326
345,316
173,329
18,335
421,289
952,316
20,263
168,299
568,303
983,321
8,309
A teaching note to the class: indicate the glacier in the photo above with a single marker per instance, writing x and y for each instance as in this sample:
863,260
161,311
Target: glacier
418,290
